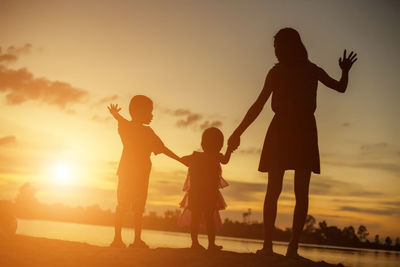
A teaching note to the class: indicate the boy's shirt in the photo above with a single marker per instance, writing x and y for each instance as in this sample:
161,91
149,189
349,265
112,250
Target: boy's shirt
138,142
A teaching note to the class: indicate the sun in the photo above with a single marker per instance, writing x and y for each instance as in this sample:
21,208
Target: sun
62,172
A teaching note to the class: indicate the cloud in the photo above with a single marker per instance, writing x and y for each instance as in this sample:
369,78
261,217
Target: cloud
208,124
191,119
97,118
375,156
7,58
250,150
7,140
390,167
332,187
376,147
19,50
107,100
391,203
369,164
181,112
379,150
242,191
21,85
385,211
13,52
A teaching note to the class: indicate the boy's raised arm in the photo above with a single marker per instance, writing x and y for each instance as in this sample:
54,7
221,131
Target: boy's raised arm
114,110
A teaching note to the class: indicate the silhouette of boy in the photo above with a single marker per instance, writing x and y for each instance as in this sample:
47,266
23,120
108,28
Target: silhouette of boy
139,141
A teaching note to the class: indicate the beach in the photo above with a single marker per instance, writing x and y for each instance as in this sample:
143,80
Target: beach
33,251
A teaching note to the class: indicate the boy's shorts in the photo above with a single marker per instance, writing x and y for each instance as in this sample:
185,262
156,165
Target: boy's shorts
132,192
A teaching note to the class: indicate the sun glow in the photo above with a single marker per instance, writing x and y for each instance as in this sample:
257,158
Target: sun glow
62,172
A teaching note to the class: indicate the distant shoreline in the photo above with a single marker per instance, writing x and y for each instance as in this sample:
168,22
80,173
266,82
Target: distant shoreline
308,245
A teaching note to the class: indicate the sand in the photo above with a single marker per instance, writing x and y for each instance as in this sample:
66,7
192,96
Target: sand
33,251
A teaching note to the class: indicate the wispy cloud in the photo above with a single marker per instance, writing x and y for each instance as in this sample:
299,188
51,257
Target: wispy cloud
7,140
208,124
250,150
383,211
21,85
107,100
242,191
377,156
189,119
328,186
97,118
11,53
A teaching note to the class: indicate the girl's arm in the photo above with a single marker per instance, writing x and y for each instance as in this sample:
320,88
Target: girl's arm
186,160
170,154
252,113
225,158
345,64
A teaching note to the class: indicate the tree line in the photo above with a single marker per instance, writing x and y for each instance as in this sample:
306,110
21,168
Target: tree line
26,206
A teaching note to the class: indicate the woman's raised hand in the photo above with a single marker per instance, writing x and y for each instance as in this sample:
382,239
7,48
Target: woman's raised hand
345,63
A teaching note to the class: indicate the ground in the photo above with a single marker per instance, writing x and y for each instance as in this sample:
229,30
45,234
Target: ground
32,251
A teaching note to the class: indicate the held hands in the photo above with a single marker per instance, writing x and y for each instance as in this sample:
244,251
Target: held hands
114,109
233,142
346,63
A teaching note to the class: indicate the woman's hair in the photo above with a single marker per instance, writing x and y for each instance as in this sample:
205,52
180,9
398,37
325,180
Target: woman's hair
289,49
212,140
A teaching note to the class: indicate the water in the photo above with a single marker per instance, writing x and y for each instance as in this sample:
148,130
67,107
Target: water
103,235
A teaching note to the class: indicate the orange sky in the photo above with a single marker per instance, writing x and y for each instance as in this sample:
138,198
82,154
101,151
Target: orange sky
208,59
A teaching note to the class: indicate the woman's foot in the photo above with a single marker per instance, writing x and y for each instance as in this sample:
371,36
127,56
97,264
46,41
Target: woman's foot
214,248
265,251
292,251
138,244
197,246
117,243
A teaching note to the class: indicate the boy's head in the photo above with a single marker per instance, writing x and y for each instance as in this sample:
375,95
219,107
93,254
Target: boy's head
212,140
141,109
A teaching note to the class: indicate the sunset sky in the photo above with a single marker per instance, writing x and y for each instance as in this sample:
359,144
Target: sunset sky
203,63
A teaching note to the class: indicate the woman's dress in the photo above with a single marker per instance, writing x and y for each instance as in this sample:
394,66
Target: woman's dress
291,142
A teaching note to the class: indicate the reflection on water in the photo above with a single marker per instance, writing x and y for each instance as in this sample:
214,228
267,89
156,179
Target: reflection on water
103,235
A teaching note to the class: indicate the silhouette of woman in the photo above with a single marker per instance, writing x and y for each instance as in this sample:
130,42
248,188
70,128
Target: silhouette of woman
291,142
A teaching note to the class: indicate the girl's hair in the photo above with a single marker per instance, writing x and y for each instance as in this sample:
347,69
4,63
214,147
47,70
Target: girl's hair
212,140
289,49
139,103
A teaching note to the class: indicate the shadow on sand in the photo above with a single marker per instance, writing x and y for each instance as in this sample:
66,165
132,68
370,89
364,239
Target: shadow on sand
33,251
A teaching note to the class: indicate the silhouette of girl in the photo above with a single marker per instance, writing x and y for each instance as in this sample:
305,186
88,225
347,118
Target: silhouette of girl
291,142
203,198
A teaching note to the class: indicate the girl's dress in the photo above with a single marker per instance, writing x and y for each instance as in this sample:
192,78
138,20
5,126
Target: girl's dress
202,185
292,141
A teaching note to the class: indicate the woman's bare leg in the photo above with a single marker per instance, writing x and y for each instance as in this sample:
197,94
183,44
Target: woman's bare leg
301,188
274,189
